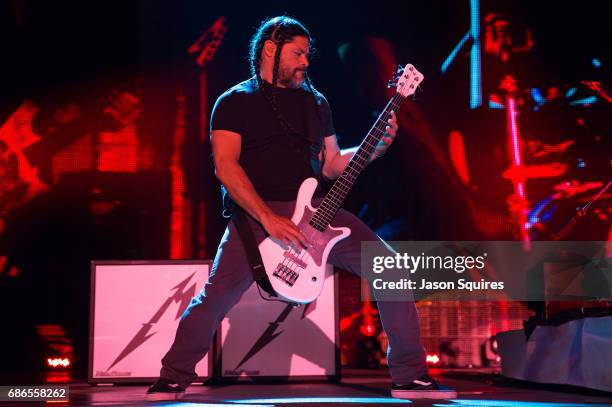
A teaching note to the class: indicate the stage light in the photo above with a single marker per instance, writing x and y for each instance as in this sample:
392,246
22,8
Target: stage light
432,359
367,330
473,34
584,101
58,362
454,53
475,65
495,105
519,184
214,405
317,400
537,97
507,403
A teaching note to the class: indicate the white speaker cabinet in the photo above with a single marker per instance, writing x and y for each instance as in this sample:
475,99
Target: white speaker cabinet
264,340
135,309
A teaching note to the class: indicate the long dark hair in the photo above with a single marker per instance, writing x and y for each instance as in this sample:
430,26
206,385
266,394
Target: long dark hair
281,30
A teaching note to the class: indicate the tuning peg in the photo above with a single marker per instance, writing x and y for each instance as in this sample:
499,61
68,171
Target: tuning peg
391,84
400,69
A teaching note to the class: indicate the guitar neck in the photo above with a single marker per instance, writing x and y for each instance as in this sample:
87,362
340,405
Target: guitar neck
336,195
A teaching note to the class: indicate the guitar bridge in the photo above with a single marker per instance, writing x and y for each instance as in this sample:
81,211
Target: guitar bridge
285,274
292,257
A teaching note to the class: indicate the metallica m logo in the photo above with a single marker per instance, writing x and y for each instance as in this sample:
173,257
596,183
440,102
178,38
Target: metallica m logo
270,333
181,296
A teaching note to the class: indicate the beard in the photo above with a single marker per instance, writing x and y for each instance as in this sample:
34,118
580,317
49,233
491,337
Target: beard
291,77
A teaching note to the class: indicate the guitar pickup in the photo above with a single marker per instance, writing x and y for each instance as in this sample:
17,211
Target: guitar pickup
291,257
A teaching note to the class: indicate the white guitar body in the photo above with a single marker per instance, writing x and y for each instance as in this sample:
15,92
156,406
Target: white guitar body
299,276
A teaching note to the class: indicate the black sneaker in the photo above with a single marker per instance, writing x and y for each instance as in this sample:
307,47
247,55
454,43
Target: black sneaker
164,389
422,388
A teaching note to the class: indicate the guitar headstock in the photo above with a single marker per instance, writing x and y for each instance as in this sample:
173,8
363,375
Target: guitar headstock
406,80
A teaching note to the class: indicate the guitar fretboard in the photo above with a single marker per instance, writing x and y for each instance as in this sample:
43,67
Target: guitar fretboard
336,195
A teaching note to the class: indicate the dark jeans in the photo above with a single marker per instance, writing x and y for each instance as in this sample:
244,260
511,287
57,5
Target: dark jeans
231,277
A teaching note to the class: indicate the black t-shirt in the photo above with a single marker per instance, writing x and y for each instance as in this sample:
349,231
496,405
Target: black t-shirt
275,162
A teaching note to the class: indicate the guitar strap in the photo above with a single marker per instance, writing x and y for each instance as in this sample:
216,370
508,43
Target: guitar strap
241,221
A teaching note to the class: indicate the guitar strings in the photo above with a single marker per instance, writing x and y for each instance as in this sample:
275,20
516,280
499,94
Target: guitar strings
370,142
369,146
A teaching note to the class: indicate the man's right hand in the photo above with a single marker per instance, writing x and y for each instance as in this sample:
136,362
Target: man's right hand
282,229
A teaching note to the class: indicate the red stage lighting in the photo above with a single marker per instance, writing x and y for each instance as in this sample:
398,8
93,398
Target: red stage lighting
58,362
367,330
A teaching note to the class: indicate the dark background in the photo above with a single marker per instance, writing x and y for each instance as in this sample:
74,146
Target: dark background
69,52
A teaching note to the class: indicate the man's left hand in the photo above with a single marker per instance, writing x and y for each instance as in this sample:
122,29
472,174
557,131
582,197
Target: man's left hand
387,138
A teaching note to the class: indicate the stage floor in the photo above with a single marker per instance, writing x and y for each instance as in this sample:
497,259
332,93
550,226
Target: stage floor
357,388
